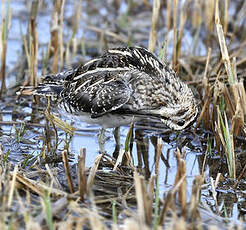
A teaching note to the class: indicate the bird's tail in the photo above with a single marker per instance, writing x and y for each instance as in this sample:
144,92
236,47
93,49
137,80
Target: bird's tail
51,86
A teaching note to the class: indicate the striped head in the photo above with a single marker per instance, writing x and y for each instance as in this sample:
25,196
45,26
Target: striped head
183,112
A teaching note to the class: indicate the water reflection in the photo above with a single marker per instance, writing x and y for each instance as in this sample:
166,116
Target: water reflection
38,138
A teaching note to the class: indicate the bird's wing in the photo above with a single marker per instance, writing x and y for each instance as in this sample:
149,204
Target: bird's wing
111,96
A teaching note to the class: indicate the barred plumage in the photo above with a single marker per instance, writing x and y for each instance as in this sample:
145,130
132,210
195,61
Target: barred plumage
123,81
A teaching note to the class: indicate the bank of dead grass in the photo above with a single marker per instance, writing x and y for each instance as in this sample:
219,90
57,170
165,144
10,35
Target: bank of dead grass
87,196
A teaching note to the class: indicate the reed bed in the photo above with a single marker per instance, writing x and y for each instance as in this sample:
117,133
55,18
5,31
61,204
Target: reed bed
50,191
4,31
43,199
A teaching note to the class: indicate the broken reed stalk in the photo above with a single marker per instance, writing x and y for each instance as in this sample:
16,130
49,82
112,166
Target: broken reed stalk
169,13
153,32
142,201
183,17
61,47
195,198
30,43
175,3
54,179
128,143
226,4
59,123
67,170
119,159
157,198
167,203
4,31
82,174
12,187
196,14
92,173
209,14
213,186
33,43
238,92
180,180
205,109
76,18
223,47
73,40
56,44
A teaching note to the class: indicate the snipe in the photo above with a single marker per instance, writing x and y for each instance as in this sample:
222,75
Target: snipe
122,81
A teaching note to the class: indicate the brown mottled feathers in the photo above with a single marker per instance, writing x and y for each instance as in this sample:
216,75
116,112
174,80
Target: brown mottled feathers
122,80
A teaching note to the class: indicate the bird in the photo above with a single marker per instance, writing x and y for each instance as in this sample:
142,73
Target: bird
122,81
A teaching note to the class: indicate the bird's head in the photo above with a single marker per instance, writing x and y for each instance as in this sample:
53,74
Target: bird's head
182,113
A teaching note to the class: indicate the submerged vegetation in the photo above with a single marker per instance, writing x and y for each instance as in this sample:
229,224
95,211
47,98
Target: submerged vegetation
45,185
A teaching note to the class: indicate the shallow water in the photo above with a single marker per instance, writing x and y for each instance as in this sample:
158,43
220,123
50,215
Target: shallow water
13,115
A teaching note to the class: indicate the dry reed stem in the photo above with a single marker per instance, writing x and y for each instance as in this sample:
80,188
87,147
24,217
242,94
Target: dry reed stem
223,47
92,173
204,160
30,184
67,170
237,121
213,186
169,13
182,21
75,25
230,104
33,43
153,32
61,47
219,133
226,16
205,109
242,95
119,159
82,174
142,201
167,203
196,14
4,30
158,155
53,178
180,180
54,42
60,123
175,2
24,40
240,177
127,160
209,14
205,75
56,34
12,187
204,113
196,192
150,194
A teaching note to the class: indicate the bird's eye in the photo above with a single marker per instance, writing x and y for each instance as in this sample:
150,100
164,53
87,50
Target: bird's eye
181,123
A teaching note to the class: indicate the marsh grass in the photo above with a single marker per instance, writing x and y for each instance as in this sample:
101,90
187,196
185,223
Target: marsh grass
68,195
4,31
153,33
